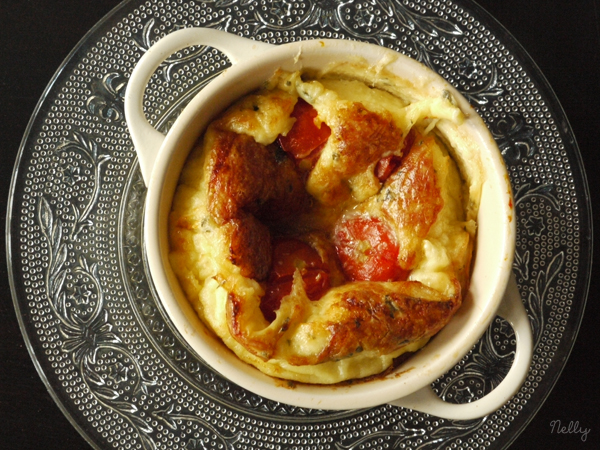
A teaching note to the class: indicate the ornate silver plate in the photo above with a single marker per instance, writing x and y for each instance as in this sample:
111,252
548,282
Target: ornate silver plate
81,287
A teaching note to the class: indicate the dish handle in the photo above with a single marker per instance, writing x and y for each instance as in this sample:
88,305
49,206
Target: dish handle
512,309
146,139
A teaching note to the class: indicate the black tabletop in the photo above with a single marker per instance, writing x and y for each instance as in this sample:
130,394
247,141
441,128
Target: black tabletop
562,37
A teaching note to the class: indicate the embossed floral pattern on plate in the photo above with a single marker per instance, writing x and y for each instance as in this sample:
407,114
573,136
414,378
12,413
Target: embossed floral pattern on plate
92,317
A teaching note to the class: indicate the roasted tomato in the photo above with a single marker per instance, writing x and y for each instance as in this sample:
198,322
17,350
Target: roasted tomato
367,250
288,255
305,136
388,165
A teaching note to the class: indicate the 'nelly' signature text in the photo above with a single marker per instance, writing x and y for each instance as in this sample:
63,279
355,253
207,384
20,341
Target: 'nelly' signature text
573,428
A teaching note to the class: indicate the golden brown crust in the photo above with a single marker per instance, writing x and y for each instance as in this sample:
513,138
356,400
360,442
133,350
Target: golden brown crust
360,316
252,194
248,176
250,246
359,138
248,179
363,137
381,317
411,198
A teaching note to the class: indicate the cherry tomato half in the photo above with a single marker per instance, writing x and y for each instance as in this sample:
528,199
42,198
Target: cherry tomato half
289,255
304,137
367,250
387,166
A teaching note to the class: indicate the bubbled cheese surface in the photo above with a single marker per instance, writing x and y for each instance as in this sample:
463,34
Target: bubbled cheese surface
302,343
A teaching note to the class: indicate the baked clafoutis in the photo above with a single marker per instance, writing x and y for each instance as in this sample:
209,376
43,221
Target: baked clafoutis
324,225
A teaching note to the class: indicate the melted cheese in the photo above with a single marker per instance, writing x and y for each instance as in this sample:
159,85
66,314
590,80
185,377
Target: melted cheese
200,247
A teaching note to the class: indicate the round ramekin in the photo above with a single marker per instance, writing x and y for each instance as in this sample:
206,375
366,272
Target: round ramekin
161,159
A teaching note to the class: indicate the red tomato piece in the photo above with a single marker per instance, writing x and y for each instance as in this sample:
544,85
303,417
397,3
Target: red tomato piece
289,255
368,250
272,299
304,137
388,165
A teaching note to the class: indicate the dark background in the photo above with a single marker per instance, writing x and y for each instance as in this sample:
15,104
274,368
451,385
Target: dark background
562,37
